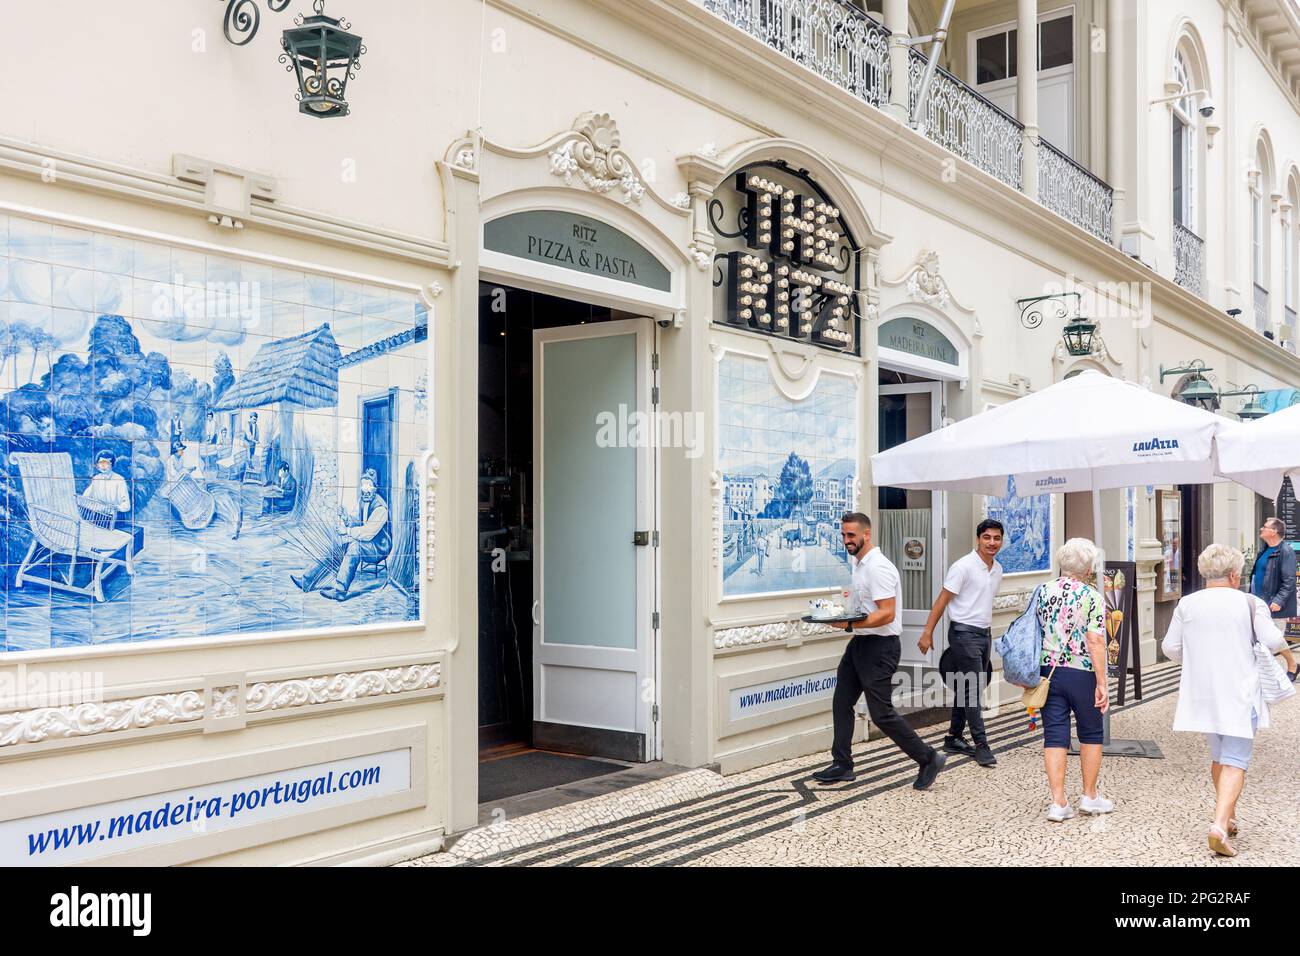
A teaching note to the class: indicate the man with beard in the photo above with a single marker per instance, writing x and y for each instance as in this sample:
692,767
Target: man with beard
871,658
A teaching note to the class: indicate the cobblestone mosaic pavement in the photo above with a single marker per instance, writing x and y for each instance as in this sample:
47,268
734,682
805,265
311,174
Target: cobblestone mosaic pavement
973,816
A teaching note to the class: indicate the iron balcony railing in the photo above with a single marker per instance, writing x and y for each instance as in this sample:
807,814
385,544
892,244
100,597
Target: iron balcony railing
1189,259
829,37
1262,323
1073,193
1289,330
965,123
842,44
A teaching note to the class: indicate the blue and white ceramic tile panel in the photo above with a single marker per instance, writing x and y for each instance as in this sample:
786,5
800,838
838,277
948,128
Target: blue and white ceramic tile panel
183,440
788,469
1028,521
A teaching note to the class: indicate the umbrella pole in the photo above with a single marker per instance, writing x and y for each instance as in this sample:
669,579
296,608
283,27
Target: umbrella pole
1118,748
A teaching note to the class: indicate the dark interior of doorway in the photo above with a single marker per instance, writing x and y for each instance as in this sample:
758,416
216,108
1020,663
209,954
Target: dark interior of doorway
507,317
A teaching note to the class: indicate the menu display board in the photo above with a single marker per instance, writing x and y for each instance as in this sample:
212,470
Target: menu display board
1289,511
1169,528
1122,657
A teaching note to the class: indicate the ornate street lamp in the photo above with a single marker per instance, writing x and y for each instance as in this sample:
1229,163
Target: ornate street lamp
1078,331
1078,337
1253,408
325,56
1197,390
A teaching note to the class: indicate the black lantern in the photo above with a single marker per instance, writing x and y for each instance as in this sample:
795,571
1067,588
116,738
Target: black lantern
1197,389
325,56
1078,337
1253,408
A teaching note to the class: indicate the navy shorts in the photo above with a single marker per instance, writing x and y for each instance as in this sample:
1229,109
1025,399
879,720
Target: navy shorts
1071,691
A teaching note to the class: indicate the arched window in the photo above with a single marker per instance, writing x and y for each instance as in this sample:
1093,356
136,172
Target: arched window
1261,180
1185,140
1188,90
1290,280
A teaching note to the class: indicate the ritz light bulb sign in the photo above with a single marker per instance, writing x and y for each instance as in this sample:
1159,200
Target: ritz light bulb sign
788,267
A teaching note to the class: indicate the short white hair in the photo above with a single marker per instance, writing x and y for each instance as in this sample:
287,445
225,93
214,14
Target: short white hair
1218,562
1077,557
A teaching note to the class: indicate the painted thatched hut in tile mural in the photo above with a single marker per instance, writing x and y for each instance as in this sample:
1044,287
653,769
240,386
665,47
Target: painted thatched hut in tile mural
284,405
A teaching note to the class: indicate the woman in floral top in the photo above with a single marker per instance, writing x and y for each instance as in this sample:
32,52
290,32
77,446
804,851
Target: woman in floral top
1071,611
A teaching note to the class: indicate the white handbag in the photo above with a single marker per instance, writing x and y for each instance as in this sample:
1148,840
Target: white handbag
1273,682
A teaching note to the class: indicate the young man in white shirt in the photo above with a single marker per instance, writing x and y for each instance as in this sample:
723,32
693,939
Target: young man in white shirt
967,595
871,658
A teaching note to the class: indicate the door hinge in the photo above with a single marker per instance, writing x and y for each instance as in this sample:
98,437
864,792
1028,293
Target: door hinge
654,713
654,361
654,538
654,395
654,620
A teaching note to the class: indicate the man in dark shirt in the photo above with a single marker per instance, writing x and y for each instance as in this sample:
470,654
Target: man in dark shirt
1272,580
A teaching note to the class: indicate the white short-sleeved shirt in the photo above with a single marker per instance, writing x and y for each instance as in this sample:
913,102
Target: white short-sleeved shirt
874,579
975,585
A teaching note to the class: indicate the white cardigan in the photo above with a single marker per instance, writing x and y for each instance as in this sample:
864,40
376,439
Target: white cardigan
1211,634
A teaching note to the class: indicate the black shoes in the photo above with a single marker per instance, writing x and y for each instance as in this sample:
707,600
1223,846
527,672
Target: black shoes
835,773
929,770
984,756
958,745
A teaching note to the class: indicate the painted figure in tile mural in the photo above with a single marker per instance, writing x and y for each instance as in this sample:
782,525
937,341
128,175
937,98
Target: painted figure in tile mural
107,489
194,504
363,539
281,495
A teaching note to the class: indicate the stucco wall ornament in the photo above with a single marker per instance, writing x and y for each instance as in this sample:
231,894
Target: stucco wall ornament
715,490
464,158
701,256
101,717
769,633
593,154
327,689
925,284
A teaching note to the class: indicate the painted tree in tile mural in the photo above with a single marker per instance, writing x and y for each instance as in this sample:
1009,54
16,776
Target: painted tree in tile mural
115,400
794,489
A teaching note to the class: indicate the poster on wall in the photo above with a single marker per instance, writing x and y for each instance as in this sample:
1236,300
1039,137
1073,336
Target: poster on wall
1120,623
196,446
1028,523
913,554
788,469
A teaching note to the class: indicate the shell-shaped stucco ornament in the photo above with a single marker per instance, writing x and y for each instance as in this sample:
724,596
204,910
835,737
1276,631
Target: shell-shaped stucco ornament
600,129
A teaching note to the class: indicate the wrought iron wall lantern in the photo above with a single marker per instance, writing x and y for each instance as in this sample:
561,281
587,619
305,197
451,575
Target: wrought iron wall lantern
1078,331
1197,390
1253,408
324,55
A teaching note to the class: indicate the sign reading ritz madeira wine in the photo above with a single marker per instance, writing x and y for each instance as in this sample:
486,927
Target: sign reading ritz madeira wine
792,268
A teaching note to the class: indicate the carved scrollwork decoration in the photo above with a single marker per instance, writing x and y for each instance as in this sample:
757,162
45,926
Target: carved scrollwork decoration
243,17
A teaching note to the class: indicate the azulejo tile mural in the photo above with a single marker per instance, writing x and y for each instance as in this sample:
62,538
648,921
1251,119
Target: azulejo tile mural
193,445
1027,548
788,470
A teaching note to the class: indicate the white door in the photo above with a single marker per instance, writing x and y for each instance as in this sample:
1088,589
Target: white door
593,654
991,54
910,524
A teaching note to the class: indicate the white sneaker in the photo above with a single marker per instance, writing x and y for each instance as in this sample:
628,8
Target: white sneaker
1099,804
1057,814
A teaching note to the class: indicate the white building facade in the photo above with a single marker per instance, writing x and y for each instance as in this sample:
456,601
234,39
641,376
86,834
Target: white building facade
568,345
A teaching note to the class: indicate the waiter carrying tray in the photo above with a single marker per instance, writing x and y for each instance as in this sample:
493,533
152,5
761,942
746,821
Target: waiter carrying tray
967,595
871,658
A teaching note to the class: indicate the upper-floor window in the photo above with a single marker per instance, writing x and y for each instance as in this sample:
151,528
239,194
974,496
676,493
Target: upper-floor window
1259,188
1185,145
993,57
1289,240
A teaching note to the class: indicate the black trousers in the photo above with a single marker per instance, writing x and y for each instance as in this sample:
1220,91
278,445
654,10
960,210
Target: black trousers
968,652
868,667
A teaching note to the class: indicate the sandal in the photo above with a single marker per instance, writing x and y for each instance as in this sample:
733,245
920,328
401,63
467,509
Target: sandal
1219,843
1232,827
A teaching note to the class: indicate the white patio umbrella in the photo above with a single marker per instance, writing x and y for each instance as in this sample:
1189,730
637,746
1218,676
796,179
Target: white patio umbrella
1087,433
1261,453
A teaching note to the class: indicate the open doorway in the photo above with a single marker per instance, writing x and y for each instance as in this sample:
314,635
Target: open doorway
565,581
910,528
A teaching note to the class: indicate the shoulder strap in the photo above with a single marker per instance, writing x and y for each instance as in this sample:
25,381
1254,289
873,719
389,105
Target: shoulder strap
1250,609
